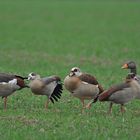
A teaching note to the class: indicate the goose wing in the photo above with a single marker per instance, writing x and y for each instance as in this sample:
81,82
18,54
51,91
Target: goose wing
55,85
106,94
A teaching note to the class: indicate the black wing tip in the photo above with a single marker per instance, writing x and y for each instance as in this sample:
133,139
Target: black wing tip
21,77
56,95
52,100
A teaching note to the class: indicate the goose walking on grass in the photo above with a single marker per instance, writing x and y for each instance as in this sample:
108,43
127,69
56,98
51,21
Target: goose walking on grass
49,86
82,85
9,83
121,93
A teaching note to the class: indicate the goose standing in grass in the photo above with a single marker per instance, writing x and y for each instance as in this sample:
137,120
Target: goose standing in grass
9,83
122,93
49,86
82,85
133,69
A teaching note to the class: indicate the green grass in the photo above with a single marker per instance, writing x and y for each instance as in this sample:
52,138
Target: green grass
50,37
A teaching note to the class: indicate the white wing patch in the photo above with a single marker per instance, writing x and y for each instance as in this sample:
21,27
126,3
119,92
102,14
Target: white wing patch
88,83
11,82
97,86
85,83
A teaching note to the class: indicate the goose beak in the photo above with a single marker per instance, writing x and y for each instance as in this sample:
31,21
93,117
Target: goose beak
29,78
71,74
125,66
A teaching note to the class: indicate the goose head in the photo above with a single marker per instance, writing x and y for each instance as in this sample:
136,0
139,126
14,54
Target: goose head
129,65
75,71
33,76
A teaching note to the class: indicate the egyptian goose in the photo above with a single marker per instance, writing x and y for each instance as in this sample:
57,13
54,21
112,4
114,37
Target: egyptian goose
122,93
82,85
49,86
9,83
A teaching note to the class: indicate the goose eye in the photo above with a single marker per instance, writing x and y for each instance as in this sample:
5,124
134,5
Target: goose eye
33,74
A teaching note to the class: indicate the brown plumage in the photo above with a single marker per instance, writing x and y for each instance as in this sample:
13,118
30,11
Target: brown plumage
91,80
49,86
106,94
9,83
122,93
81,85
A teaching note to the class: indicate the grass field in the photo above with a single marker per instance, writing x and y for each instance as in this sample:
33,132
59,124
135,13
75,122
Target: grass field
52,36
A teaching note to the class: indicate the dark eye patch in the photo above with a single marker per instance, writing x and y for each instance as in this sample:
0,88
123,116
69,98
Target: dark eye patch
33,74
75,70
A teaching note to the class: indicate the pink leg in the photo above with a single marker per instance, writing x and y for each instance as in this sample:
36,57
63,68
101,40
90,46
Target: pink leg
110,108
46,105
122,108
83,105
89,105
5,103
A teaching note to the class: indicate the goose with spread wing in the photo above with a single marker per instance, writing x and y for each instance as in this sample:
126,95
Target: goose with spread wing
49,86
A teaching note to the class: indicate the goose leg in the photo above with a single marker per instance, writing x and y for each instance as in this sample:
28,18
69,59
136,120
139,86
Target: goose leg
122,108
46,105
110,108
93,101
83,105
89,105
5,102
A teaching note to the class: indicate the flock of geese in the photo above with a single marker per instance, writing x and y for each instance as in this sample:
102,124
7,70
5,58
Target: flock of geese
81,85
